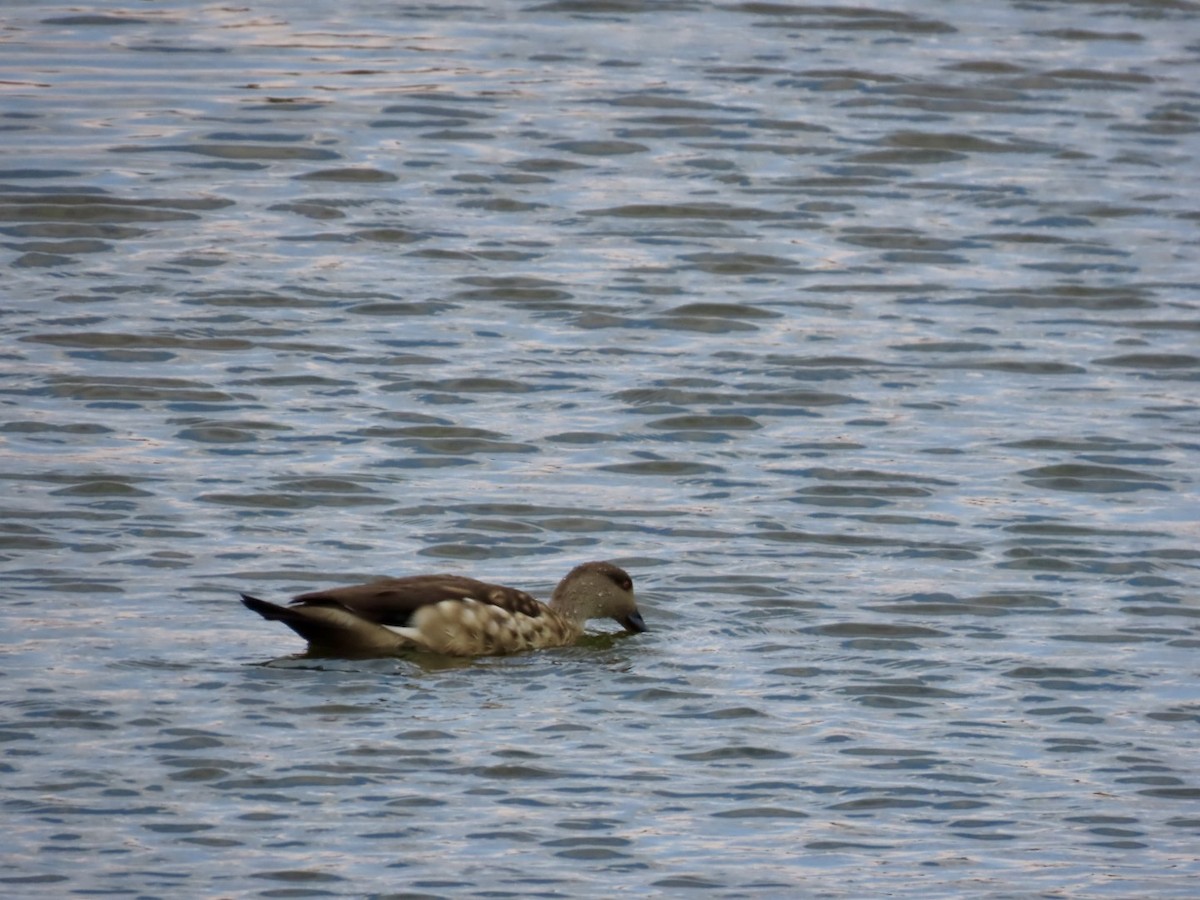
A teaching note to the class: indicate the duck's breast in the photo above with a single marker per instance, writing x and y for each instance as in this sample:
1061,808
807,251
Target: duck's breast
466,627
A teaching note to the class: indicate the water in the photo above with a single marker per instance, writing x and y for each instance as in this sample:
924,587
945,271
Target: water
864,337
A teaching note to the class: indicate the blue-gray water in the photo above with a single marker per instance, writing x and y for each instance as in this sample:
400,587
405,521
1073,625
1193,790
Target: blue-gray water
866,338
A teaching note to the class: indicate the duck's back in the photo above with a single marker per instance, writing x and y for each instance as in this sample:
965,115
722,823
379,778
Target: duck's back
394,601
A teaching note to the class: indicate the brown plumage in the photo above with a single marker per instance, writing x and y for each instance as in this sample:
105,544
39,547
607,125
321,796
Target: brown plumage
453,614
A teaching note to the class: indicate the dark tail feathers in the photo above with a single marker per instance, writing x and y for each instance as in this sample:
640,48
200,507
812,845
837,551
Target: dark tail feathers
267,610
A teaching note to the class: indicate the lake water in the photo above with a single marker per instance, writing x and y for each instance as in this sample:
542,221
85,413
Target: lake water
867,338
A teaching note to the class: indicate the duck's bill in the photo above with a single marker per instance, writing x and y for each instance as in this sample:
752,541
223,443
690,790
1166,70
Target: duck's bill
633,623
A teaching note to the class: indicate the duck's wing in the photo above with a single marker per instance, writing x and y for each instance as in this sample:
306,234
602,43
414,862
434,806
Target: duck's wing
393,601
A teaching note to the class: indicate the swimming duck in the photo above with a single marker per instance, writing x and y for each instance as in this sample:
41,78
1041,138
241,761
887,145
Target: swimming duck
453,614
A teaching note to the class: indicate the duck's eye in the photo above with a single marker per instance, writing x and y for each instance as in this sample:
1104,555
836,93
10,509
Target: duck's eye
626,584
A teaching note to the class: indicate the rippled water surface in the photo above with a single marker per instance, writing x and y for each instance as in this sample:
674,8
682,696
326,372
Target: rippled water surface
866,337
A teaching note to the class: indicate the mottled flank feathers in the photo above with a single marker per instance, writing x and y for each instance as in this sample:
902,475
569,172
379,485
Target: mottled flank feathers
454,615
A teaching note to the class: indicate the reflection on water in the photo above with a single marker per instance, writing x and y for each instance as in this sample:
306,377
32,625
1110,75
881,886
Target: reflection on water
865,338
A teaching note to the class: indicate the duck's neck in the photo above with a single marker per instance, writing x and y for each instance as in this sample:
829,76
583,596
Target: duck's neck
570,606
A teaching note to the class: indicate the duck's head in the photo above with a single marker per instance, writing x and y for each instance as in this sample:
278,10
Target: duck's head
599,590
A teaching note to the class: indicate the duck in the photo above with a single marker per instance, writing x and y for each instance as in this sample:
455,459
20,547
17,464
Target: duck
454,615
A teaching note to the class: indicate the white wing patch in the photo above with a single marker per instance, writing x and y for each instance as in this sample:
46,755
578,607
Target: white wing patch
405,632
